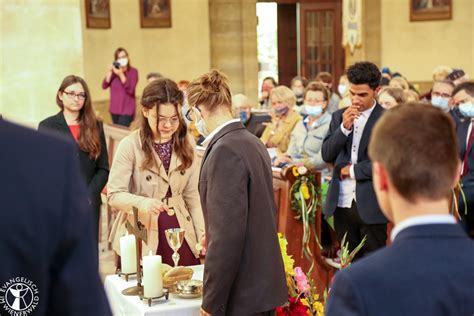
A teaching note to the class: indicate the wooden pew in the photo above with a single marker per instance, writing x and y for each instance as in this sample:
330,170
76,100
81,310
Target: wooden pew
293,229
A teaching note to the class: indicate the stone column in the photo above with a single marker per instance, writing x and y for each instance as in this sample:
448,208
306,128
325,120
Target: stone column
233,32
371,48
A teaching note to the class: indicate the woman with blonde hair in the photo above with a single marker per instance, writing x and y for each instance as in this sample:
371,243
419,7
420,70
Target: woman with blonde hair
399,82
411,96
390,97
156,170
277,133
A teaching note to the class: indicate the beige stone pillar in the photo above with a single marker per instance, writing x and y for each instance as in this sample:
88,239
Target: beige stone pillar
371,47
233,30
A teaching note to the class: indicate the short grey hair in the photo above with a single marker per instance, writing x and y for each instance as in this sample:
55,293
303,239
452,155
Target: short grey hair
239,100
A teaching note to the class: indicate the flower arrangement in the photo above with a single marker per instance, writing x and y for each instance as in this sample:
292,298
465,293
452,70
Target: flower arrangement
305,199
303,299
345,256
455,203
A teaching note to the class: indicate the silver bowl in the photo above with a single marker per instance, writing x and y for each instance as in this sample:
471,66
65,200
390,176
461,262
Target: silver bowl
189,288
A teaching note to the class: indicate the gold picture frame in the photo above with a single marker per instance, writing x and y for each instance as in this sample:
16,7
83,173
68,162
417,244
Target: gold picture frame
155,13
430,10
98,14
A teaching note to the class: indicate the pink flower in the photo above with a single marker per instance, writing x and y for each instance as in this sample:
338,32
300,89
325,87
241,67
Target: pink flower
301,280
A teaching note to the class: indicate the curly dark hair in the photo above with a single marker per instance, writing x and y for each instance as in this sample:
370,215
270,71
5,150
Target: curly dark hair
364,73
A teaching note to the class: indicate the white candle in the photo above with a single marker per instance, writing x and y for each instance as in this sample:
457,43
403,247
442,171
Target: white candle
152,280
128,254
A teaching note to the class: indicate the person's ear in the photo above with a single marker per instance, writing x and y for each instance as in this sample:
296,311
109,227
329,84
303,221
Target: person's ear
457,175
382,176
145,112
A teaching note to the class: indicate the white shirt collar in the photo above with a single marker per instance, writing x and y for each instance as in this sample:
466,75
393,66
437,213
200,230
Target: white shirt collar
422,220
367,112
209,137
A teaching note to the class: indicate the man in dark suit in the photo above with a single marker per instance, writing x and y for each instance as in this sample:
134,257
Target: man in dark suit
463,99
428,268
49,257
243,271
350,196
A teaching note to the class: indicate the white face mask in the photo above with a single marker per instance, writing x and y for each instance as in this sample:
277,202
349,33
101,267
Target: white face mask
123,61
342,88
202,128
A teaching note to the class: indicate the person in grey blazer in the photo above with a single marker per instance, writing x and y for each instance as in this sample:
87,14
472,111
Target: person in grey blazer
351,197
243,271
308,135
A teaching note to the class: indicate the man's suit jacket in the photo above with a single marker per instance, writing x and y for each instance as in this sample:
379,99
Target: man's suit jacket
244,273
468,179
337,151
94,172
462,130
46,224
428,270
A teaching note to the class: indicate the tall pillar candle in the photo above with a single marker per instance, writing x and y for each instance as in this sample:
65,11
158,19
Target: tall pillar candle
152,279
128,254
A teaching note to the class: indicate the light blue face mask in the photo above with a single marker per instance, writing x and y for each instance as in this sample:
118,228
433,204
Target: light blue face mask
467,109
440,102
313,110
243,116
202,128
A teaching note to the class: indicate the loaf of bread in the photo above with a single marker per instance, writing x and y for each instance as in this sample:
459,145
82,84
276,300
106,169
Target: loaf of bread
177,274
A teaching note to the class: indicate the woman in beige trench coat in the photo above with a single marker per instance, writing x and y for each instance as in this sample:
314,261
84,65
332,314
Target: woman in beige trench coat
156,169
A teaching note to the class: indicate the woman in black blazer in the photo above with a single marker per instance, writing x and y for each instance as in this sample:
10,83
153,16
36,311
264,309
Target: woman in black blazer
77,121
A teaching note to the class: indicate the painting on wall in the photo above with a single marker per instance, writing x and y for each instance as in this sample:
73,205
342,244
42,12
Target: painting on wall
429,10
98,14
155,13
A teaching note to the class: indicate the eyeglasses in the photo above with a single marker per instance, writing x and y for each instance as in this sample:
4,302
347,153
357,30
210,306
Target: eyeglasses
193,109
174,120
315,101
73,95
439,94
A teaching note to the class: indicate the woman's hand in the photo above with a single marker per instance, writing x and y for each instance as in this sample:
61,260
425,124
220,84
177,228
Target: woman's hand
117,71
154,206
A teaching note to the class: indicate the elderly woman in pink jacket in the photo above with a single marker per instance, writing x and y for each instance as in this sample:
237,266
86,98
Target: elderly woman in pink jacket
156,170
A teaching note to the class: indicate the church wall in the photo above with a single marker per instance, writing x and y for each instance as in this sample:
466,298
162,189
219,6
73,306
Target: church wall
40,44
180,52
415,48
42,41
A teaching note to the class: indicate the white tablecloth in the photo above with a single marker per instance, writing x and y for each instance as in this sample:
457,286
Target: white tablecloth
131,305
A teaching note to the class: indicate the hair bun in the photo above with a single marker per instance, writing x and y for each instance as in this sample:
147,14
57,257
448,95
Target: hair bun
213,81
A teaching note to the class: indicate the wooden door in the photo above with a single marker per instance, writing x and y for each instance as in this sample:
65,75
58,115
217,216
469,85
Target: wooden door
321,39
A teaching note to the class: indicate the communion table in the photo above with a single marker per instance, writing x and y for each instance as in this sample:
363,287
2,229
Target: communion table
132,305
